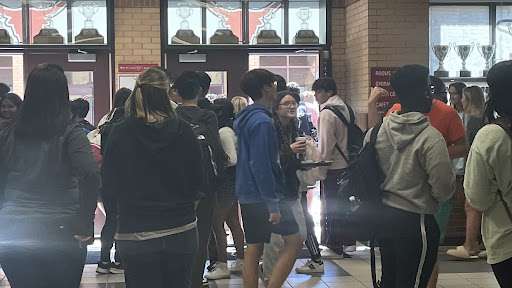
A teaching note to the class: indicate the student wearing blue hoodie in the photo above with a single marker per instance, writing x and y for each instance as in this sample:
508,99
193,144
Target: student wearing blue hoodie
259,182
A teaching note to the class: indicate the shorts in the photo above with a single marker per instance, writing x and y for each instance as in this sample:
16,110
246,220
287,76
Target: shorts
258,229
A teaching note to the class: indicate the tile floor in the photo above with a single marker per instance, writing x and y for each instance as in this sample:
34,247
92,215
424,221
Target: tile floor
339,273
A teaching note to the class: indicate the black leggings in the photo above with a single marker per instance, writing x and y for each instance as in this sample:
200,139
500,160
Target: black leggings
502,272
311,241
408,247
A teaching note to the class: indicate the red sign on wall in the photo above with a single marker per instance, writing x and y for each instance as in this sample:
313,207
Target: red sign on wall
130,68
381,77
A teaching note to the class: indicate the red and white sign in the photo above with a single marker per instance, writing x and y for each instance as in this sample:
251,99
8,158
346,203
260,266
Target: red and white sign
381,77
130,68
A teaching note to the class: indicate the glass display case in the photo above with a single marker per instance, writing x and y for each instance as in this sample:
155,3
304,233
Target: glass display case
266,23
224,22
252,22
307,22
503,33
54,22
457,36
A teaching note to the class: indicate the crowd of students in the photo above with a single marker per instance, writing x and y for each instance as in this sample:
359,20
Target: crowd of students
176,168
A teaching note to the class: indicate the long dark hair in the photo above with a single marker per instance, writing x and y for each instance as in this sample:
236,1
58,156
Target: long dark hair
224,110
285,134
120,99
45,110
499,78
14,98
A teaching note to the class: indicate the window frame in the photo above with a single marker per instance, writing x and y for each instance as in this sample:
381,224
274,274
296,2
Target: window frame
327,5
66,46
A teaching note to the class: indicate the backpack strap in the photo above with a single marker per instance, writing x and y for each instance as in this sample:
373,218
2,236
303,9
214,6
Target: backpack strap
343,119
502,123
373,136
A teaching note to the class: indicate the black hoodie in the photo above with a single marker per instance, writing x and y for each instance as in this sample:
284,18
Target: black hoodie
154,172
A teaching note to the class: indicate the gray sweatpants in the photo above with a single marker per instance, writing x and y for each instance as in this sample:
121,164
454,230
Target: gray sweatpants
272,250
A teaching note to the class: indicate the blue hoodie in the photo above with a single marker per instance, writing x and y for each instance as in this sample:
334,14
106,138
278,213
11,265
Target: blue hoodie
258,173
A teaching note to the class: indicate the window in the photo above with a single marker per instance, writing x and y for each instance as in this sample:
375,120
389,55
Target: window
460,25
503,33
11,72
253,22
54,22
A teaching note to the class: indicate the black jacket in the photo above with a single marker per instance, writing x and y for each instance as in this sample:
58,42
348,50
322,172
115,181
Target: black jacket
50,182
152,171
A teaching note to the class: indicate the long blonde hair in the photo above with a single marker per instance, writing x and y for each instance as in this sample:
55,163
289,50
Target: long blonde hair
150,99
475,101
239,103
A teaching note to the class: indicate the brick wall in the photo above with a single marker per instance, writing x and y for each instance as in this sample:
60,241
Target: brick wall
137,38
355,64
18,78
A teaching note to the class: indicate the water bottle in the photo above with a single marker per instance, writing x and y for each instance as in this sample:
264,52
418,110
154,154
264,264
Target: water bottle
354,203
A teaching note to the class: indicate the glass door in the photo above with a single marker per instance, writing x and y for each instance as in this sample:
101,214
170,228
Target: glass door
225,67
88,80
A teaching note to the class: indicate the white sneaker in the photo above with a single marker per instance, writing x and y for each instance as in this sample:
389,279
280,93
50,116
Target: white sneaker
237,266
220,271
329,254
311,268
351,248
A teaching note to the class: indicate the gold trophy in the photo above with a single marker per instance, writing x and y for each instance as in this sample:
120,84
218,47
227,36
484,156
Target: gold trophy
48,34
185,35
268,35
89,34
305,35
223,35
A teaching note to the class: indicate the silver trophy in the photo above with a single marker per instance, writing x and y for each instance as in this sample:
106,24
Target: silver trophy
89,35
185,35
48,34
5,38
464,51
487,51
305,35
441,51
223,35
268,35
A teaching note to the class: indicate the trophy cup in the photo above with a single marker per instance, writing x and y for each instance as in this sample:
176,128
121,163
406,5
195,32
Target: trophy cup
223,35
441,51
48,34
487,51
5,38
89,35
305,35
464,51
185,35
268,35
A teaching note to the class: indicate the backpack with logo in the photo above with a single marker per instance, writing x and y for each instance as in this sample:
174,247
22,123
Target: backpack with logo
355,134
360,189
209,160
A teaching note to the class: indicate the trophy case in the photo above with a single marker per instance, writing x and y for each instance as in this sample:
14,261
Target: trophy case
250,22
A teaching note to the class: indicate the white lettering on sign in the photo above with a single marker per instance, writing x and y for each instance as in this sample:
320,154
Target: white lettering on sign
382,104
382,83
383,73
392,94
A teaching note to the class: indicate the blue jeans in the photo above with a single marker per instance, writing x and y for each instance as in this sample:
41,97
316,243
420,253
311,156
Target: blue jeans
158,263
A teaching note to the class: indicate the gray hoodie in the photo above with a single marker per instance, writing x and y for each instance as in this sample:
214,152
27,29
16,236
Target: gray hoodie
414,158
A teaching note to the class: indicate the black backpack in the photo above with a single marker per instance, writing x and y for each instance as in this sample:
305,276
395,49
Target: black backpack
361,196
106,128
355,134
209,160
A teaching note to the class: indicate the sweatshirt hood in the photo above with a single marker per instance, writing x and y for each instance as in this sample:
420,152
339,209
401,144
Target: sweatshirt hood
402,129
245,114
155,137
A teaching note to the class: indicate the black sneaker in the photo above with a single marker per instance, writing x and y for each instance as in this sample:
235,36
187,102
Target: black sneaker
205,282
116,268
103,267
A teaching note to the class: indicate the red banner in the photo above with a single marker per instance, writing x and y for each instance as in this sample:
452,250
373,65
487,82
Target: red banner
130,68
381,77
